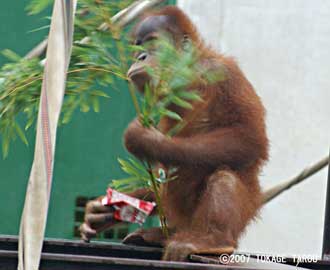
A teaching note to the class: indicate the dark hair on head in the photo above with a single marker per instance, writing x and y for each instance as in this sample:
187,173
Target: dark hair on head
179,23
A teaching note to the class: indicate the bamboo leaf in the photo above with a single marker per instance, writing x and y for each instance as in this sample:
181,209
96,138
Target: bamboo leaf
36,6
172,115
39,28
137,164
99,93
84,107
124,181
129,168
9,54
182,103
67,117
21,134
5,145
194,96
127,184
96,104
29,123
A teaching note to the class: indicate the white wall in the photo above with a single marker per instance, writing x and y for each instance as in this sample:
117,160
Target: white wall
283,47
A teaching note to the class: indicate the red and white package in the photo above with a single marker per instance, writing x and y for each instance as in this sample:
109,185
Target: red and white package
128,208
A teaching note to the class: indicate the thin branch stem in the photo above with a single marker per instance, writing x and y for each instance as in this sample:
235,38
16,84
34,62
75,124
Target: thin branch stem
116,32
162,217
14,89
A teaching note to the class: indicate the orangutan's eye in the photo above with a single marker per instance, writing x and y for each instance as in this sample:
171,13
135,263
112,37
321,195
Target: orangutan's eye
150,44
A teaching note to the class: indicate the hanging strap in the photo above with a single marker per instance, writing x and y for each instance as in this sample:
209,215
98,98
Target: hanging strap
34,216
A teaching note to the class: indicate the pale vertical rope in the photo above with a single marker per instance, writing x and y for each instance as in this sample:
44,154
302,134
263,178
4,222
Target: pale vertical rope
33,221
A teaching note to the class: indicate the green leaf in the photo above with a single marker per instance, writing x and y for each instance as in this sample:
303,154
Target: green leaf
39,28
29,123
96,104
128,184
21,134
136,48
5,144
36,6
118,183
67,117
99,93
130,188
150,71
9,54
148,95
128,168
124,181
182,103
172,115
84,107
194,96
137,164
5,148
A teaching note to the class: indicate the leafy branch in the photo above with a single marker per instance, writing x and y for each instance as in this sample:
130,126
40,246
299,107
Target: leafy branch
93,66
